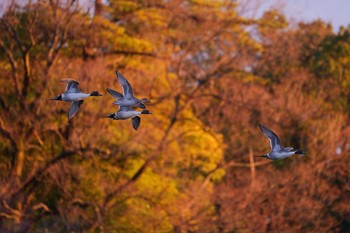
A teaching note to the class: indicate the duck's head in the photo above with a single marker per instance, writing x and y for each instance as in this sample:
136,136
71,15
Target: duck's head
95,93
146,111
112,115
264,156
59,97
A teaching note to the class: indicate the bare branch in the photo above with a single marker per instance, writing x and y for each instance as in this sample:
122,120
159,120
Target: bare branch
27,71
10,213
13,63
3,104
34,178
147,54
7,134
132,180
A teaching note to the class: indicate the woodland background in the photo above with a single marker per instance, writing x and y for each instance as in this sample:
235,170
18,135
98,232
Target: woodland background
213,74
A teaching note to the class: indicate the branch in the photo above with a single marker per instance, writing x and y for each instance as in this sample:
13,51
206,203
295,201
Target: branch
26,79
14,35
247,165
55,45
9,212
25,56
34,178
13,64
63,155
32,22
3,104
132,53
132,180
6,134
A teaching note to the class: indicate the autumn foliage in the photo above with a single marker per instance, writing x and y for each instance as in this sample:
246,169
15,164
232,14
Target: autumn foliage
212,74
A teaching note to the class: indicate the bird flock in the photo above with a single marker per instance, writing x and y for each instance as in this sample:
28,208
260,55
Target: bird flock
128,103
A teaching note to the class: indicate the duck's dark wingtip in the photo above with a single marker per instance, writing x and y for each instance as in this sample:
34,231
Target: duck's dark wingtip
136,122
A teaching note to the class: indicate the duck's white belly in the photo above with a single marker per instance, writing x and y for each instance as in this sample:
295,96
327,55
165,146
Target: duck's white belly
126,114
281,155
74,96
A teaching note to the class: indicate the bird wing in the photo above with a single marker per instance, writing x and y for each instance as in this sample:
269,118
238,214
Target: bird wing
275,141
127,89
141,105
74,107
125,108
136,122
72,86
288,148
116,95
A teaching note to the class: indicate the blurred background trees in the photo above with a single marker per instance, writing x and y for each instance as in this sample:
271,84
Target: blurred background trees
212,75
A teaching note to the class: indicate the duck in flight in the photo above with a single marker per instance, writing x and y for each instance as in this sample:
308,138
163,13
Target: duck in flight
126,113
127,99
277,150
74,95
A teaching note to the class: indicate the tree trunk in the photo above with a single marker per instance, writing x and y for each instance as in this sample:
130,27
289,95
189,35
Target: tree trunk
98,8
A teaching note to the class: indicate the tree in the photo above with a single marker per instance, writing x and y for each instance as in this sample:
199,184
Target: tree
212,75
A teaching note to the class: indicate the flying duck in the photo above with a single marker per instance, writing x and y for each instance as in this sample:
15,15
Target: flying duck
277,150
74,95
127,99
127,112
